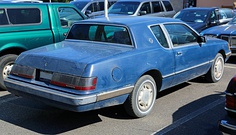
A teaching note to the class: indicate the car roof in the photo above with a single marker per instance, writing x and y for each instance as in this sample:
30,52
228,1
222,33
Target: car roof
131,20
201,8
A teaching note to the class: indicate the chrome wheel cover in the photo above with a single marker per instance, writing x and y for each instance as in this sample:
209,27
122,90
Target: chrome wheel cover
145,97
6,70
218,68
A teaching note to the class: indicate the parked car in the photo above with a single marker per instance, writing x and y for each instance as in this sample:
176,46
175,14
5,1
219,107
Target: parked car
229,126
121,60
25,26
225,15
161,8
92,8
226,32
199,18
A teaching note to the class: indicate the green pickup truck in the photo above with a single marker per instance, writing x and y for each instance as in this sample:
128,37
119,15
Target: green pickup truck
26,26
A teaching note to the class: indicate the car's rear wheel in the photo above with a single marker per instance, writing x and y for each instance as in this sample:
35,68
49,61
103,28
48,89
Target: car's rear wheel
6,63
140,102
217,69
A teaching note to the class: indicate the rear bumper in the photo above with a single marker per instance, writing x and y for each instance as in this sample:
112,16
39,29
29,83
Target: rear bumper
230,110
226,127
64,99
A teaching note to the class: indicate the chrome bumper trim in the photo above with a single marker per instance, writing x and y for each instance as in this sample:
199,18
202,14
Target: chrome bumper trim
230,110
227,127
15,86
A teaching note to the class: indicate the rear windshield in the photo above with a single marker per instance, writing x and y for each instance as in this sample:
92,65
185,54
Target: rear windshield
100,33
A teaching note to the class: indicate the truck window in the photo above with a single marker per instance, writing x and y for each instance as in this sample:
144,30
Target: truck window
24,15
3,17
68,16
157,7
168,6
146,7
96,6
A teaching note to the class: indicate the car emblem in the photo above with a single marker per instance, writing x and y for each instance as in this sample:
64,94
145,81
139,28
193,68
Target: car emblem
45,64
150,40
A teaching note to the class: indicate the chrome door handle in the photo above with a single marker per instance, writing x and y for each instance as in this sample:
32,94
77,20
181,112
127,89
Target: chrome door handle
179,53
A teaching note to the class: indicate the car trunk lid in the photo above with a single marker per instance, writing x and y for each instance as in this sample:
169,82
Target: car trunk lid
69,57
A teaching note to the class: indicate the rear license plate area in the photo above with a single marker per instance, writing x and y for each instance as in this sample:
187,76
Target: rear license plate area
45,76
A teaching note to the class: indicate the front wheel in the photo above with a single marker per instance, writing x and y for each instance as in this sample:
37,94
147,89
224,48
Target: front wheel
217,69
140,102
6,63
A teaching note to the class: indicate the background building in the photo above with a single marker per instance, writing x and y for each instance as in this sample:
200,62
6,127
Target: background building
215,3
180,4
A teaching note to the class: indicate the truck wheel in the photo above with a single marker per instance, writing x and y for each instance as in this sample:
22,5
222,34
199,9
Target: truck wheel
140,102
6,63
216,71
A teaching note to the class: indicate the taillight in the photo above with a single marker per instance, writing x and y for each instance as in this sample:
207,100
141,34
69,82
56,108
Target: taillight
230,94
231,88
74,82
23,71
230,101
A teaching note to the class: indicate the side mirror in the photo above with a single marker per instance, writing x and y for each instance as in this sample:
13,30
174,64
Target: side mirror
213,22
143,12
87,12
201,39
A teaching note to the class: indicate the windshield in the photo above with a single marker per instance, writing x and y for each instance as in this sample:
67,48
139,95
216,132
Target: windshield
192,16
100,33
128,8
233,21
79,4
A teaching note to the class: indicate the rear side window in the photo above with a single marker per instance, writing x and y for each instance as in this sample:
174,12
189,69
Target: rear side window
24,15
157,7
3,17
168,6
159,34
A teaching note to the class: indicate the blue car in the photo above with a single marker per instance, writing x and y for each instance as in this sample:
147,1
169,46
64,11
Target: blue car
226,32
110,61
199,18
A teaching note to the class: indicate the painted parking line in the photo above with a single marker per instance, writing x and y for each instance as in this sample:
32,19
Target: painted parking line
8,99
227,66
189,117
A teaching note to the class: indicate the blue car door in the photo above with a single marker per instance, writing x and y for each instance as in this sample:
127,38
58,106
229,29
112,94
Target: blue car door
165,59
190,57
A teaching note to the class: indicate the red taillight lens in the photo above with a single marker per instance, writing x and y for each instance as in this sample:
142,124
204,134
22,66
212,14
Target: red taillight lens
230,101
231,88
23,71
230,94
74,82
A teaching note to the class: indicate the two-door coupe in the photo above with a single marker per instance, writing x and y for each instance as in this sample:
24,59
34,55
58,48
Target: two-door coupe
110,61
